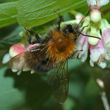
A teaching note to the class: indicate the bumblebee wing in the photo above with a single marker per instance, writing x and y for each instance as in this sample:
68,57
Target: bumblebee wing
18,63
59,80
24,61
34,58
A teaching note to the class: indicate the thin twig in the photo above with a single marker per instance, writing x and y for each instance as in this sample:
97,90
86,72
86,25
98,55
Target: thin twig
104,99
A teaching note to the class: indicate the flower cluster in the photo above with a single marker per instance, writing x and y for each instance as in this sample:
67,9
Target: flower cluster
95,25
97,4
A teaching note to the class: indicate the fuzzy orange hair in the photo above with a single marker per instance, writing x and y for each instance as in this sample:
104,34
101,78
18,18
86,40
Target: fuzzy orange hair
61,46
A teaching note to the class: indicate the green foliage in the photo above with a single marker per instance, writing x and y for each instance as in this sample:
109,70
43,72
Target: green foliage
36,12
12,89
106,12
11,39
8,13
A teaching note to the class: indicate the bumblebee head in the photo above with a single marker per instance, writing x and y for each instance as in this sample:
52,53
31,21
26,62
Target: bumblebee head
69,29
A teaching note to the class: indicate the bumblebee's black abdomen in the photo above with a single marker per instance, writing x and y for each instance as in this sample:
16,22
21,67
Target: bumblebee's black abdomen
42,66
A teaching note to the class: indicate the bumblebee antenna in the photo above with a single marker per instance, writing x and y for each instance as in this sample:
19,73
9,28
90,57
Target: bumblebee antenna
88,35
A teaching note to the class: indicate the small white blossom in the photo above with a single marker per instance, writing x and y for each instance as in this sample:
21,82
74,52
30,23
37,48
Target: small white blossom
82,48
99,49
6,58
97,3
95,16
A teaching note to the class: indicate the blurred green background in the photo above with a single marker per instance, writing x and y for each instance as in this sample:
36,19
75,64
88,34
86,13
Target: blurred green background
32,92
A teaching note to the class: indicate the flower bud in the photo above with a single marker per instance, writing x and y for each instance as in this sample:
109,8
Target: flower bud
95,16
16,49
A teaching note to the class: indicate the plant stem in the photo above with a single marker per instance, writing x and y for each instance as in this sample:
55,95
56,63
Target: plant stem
104,99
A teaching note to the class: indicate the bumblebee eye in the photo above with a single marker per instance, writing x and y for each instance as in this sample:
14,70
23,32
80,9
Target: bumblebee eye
68,29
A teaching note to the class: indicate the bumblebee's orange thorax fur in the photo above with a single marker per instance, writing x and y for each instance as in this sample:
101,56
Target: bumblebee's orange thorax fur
60,46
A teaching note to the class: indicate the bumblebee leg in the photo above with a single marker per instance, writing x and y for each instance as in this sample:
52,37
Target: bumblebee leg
37,38
29,39
81,30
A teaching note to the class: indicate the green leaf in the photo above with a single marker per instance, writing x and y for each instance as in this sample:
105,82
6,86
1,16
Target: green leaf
11,39
91,84
74,63
69,104
7,13
37,12
2,1
9,96
24,92
106,12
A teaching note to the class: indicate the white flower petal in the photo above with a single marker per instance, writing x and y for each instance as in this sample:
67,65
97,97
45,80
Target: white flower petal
103,2
91,2
26,69
6,58
82,48
97,2
19,72
32,71
78,17
107,56
91,63
102,65
104,25
14,70
100,82
84,56
106,42
94,56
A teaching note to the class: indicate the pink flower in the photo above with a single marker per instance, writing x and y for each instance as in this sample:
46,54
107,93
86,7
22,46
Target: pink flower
106,42
99,49
16,49
97,4
97,55
82,48
31,46
13,51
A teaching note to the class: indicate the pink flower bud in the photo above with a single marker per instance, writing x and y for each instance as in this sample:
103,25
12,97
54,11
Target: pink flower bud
95,16
31,46
16,49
